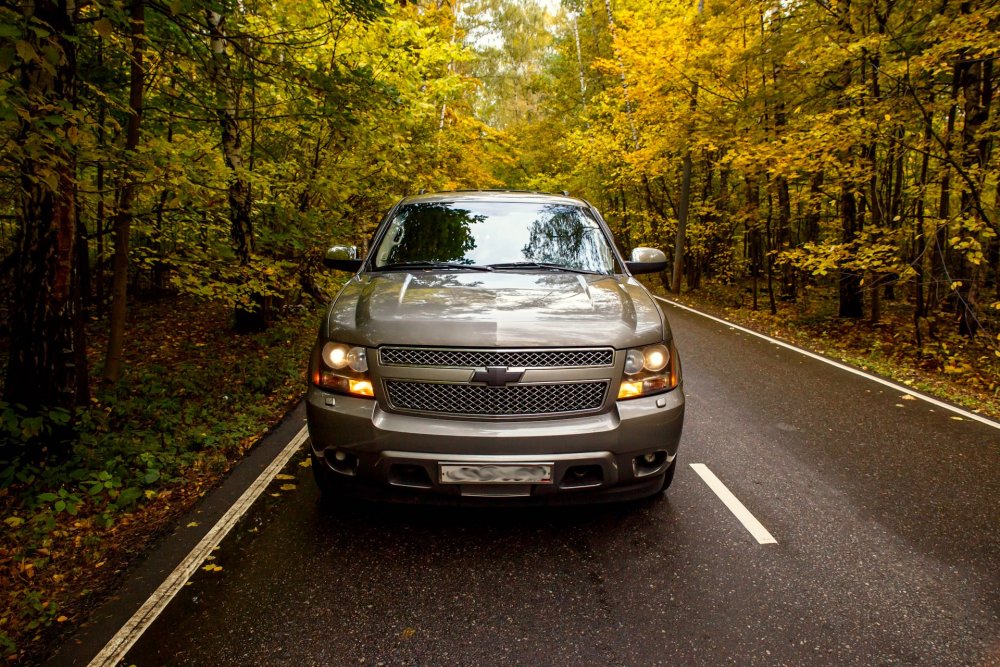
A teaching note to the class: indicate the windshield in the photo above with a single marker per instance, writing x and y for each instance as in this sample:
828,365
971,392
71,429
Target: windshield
484,234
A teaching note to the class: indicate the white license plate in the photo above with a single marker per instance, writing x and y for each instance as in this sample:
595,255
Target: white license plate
490,473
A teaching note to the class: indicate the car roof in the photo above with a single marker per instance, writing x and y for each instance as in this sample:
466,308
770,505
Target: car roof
494,195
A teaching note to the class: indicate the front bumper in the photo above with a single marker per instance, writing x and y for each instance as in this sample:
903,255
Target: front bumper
362,450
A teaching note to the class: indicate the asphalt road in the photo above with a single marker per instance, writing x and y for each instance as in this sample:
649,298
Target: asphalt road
886,513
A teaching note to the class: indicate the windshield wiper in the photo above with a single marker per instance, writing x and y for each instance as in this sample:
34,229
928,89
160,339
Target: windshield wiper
543,265
405,266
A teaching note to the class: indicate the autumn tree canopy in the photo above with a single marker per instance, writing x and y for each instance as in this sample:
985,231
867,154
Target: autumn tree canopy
215,149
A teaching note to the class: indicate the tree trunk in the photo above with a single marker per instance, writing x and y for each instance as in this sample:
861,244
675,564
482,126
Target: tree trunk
249,313
978,89
768,254
940,273
876,305
851,295
684,204
81,310
40,368
783,236
99,296
920,241
872,199
814,213
753,233
126,197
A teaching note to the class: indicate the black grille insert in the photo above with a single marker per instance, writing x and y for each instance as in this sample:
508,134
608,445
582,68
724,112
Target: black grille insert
515,400
415,356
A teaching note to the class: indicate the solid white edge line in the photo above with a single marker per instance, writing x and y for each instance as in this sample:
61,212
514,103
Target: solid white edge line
850,369
738,509
129,633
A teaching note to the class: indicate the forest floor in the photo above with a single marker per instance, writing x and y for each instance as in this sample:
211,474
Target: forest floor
193,399
947,365
196,397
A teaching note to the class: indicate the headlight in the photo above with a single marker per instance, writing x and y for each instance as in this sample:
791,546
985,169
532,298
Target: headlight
342,368
649,370
335,355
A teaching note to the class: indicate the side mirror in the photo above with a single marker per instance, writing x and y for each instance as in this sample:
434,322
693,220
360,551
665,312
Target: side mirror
342,258
646,260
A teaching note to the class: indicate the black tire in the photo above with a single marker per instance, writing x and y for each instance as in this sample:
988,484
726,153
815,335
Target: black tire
322,476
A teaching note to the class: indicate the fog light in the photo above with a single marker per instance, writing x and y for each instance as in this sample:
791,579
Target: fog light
649,464
343,462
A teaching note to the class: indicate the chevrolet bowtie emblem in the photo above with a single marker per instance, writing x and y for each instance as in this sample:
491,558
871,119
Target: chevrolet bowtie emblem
498,376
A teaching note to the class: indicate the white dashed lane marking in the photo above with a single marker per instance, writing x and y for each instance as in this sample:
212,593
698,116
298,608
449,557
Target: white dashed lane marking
749,521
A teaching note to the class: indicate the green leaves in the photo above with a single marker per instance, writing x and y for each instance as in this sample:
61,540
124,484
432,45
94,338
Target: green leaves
103,27
61,501
25,51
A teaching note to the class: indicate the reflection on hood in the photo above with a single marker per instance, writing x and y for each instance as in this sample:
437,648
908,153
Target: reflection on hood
500,309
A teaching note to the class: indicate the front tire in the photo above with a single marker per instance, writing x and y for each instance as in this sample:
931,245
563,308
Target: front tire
668,479
327,488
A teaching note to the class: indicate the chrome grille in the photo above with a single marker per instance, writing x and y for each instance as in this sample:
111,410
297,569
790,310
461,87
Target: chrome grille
414,356
479,400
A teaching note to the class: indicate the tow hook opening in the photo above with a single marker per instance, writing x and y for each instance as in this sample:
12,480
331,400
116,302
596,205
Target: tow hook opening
413,476
650,463
582,476
340,461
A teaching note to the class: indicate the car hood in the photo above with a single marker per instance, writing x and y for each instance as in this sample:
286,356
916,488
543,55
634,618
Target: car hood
496,309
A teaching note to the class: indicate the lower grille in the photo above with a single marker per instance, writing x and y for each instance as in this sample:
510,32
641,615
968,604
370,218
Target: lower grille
479,400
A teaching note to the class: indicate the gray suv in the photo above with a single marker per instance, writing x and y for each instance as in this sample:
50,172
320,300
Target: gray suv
494,345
